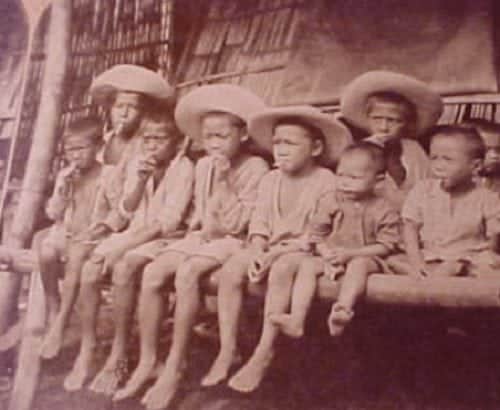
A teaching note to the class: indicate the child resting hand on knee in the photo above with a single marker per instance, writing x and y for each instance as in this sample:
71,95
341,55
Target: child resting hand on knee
353,230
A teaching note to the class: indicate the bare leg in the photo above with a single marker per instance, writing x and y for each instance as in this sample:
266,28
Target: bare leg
187,306
278,295
232,279
54,338
91,299
304,290
125,279
156,276
353,286
51,270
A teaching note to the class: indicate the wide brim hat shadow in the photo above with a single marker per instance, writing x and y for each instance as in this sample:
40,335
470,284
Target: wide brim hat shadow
336,135
130,78
227,98
428,103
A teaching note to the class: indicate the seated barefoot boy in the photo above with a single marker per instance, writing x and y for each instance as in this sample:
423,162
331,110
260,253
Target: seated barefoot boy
226,183
353,230
395,110
126,90
165,192
451,224
73,208
302,138
157,193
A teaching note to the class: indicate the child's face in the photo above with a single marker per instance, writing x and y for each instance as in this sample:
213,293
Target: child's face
221,135
80,151
158,140
492,157
356,175
451,162
387,119
293,148
126,111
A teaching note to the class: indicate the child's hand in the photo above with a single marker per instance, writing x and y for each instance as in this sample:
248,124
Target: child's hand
221,167
339,256
146,165
258,267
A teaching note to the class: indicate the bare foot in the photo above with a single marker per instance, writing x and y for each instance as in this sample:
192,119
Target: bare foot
80,372
144,371
163,391
219,370
339,317
111,376
288,324
248,378
52,342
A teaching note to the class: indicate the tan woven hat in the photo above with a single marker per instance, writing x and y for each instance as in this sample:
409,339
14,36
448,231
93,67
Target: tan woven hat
130,78
336,135
353,101
228,98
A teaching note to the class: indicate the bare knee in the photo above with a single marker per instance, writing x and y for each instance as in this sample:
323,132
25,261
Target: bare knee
233,275
283,270
127,269
47,253
154,277
361,266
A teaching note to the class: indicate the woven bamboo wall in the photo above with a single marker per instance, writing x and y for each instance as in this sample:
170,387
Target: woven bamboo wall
109,32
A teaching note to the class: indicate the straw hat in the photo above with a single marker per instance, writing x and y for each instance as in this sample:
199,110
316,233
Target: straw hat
228,98
353,102
130,78
336,135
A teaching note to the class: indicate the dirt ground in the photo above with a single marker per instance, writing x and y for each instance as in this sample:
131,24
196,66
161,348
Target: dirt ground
387,359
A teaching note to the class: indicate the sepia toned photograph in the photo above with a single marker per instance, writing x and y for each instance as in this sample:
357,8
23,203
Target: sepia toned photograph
184,225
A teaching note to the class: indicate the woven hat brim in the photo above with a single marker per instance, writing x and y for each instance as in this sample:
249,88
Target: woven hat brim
337,136
130,78
353,102
226,98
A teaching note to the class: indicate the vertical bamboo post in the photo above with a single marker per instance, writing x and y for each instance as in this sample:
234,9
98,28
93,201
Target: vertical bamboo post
38,168
42,150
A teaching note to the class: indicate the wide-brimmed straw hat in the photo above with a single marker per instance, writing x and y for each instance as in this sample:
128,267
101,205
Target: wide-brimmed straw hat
130,78
336,135
228,98
428,104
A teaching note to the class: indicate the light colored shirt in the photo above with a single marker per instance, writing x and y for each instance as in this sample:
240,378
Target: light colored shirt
166,205
234,211
268,220
452,228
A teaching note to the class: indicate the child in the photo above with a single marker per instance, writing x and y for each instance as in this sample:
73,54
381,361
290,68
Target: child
71,207
157,193
451,224
302,139
353,230
126,89
394,109
225,191
490,133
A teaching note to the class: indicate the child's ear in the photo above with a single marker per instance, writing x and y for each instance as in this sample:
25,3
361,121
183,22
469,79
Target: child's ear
380,177
318,148
477,165
244,134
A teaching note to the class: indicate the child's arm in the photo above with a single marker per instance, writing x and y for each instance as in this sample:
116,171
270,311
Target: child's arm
57,203
412,246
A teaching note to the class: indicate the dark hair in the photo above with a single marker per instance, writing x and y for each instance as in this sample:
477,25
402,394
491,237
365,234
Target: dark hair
374,152
469,136
409,108
89,127
159,117
314,132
